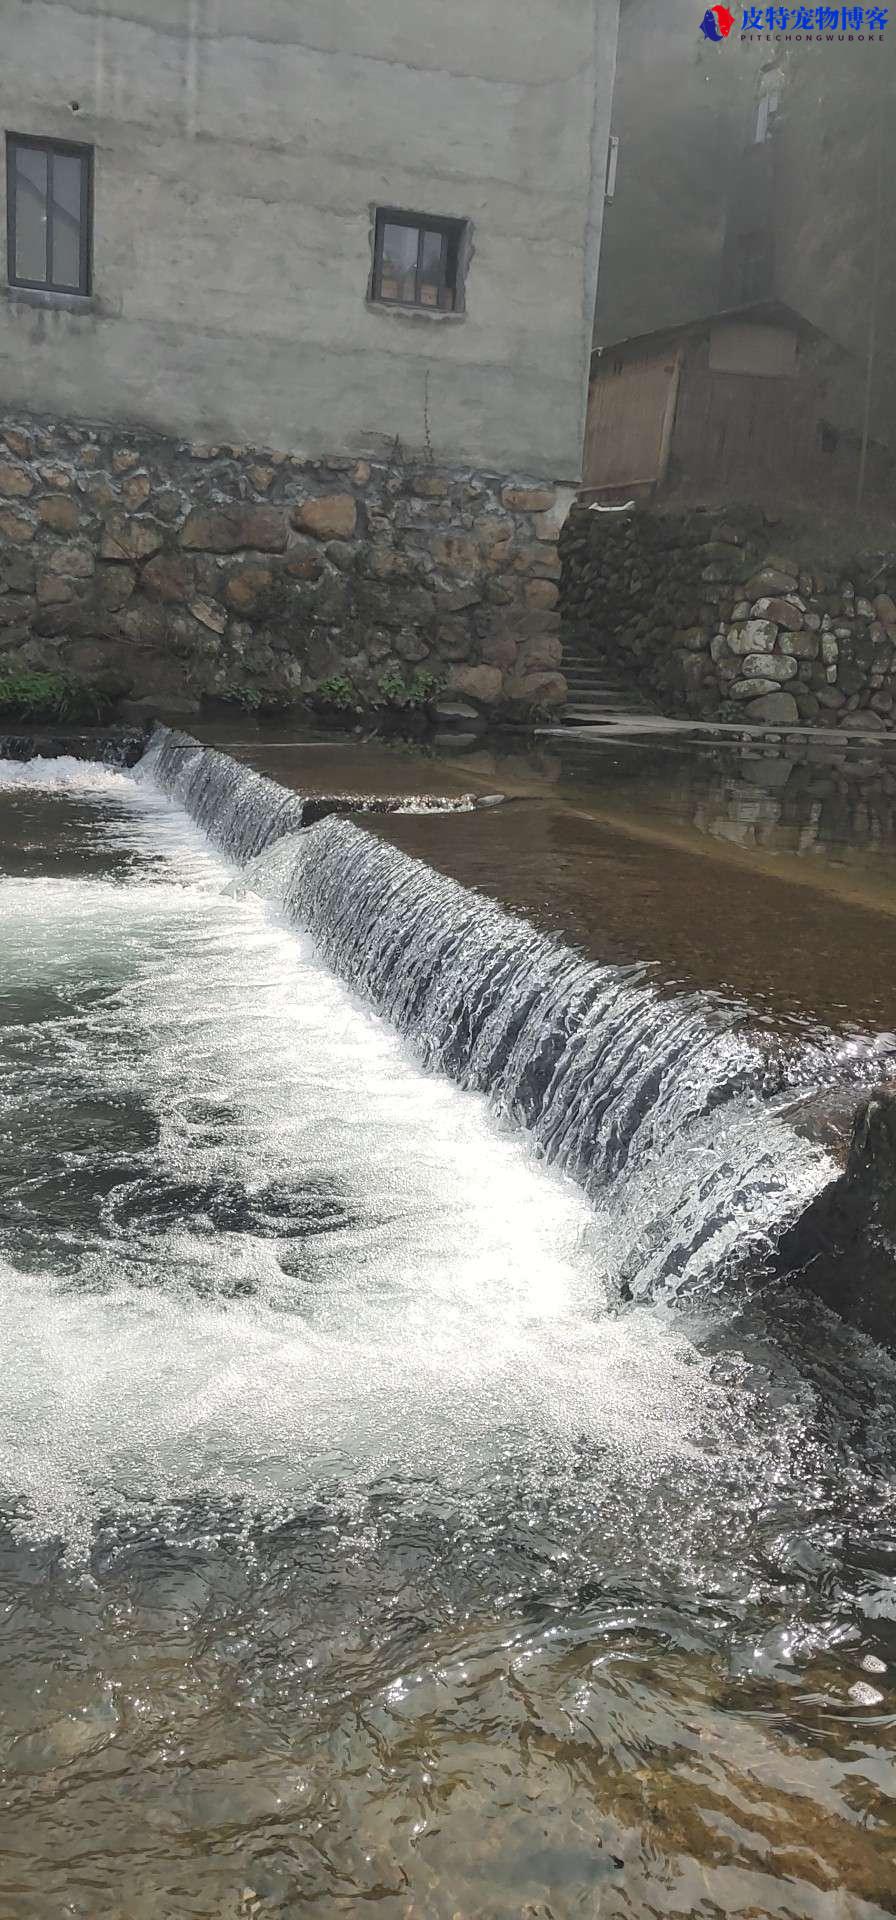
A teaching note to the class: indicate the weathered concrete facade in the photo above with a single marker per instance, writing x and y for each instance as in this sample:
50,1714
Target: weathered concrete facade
241,150
241,147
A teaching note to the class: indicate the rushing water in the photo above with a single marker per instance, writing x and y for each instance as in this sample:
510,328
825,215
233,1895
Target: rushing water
364,1549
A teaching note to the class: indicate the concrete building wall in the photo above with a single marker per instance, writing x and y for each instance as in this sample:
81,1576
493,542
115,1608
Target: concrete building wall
240,148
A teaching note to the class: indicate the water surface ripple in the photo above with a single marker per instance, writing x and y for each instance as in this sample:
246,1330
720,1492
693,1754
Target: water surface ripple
361,1550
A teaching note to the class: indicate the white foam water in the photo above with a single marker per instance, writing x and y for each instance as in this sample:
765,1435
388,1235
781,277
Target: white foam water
65,774
403,1286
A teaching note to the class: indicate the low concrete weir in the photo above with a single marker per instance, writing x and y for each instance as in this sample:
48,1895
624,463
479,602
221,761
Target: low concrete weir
670,1101
242,811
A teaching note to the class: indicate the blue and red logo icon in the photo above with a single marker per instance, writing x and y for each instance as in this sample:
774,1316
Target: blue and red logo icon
717,23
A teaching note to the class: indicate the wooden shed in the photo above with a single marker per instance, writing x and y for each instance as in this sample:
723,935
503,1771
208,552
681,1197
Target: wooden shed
752,403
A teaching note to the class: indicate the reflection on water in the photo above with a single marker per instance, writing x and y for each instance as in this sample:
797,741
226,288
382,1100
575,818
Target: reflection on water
833,800
835,803
357,1554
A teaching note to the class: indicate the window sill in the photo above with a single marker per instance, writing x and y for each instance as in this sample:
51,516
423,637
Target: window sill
55,302
430,315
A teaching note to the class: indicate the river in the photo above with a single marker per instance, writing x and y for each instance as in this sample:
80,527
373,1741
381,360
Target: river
417,1497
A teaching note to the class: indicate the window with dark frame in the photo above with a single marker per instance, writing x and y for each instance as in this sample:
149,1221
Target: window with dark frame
49,189
418,261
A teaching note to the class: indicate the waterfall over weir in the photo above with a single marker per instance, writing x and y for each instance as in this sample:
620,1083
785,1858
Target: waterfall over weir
241,811
667,1099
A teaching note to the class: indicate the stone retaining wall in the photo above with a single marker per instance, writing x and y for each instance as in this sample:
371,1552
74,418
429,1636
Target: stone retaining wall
711,615
188,572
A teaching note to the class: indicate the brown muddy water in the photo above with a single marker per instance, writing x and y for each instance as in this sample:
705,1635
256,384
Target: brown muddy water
361,1550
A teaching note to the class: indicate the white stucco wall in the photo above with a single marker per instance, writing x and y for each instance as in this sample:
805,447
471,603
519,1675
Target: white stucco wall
240,146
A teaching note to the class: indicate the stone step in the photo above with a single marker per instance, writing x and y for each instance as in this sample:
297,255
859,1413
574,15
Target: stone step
584,677
574,715
589,672
615,701
604,696
581,701
595,676
599,686
591,684
592,705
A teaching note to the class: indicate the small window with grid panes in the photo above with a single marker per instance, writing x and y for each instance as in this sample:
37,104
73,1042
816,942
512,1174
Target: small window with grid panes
418,261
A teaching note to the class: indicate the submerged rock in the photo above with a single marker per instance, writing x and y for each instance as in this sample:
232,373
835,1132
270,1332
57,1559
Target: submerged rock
843,1248
458,713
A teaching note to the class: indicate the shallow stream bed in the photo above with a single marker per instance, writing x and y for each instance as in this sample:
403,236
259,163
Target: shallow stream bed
363,1549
